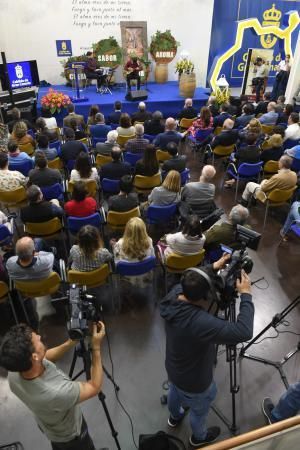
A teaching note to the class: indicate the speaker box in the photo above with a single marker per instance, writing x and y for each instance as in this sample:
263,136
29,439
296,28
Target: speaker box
134,96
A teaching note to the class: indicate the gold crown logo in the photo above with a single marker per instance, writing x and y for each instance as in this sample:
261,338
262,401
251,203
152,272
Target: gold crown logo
272,15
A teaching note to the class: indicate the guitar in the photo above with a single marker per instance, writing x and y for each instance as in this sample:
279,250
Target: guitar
131,70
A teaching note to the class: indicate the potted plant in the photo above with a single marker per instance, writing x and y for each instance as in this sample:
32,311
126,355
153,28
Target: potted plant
187,79
163,49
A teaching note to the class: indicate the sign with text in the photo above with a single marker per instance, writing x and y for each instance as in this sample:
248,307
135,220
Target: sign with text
64,48
19,74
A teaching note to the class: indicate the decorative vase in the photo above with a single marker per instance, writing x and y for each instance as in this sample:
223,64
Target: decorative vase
187,85
161,73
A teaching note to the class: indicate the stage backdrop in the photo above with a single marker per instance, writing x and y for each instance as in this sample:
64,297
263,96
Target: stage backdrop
268,12
30,28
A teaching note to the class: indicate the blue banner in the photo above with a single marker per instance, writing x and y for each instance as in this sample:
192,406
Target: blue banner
19,74
64,48
268,13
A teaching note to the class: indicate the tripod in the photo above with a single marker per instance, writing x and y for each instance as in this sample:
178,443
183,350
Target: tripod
277,319
82,352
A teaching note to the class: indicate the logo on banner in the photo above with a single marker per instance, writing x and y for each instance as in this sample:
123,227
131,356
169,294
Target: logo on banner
19,71
64,47
271,17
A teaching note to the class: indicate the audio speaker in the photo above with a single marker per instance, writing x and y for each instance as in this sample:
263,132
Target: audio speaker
134,96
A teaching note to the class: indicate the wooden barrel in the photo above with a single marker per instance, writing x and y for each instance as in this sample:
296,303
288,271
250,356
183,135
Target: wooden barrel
187,85
161,73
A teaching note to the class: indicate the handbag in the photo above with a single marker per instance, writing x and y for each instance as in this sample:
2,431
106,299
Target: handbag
160,441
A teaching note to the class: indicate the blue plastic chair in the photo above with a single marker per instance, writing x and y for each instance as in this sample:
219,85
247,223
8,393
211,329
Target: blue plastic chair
95,140
6,236
150,137
132,158
24,167
56,145
245,172
290,143
295,228
295,165
110,186
185,176
114,126
75,223
161,214
55,191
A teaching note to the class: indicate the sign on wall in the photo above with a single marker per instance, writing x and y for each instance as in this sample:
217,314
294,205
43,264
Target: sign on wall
19,74
268,13
64,48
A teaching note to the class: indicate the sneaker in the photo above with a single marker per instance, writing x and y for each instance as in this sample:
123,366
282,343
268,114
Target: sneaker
173,423
212,434
267,407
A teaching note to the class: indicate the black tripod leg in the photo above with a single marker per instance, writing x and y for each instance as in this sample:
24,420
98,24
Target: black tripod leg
109,376
114,433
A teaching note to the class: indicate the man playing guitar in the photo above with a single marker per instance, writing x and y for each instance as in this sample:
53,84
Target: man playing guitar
132,69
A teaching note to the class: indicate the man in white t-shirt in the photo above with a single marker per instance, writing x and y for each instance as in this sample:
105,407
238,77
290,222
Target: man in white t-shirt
293,130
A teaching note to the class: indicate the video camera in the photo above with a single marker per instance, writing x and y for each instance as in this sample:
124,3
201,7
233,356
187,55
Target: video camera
240,260
82,311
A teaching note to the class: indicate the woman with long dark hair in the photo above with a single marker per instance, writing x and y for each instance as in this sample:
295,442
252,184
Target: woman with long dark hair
204,122
148,164
83,169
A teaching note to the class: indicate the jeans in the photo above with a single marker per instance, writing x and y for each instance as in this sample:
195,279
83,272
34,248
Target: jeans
199,404
133,76
81,442
288,405
292,216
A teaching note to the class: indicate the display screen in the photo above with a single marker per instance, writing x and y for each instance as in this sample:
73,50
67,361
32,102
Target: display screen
19,74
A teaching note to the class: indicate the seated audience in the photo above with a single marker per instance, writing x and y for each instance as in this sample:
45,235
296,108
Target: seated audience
89,253
188,111
99,129
42,128
224,233
204,122
274,150
138,143
9,179
116,169
284,179
293,130
198,196
247,115
71,148
39,210
254,126
283,116
134,246
170,135
189,241
235,106
148,164
126,199
293,216
15,115
278,129
125,128
224,114
28,264
293,152
94,109
19,134
14,153
81,205
42,175
141,115
228,135
271,116
280,103
4,220
78,132
49,119
72,115
168,192
43,146
176,162
105,148
213,105
262,106
115,116
155,125
83,170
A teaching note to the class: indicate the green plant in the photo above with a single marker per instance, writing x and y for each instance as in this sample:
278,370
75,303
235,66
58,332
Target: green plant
221,95
184,66
109,52
163,41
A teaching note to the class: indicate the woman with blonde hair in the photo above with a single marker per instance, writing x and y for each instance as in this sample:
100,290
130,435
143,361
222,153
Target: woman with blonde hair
253,127
168,192
19,134
274,151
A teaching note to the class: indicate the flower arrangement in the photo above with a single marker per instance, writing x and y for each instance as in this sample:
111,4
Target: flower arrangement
55,101
163,46
184,66
222,96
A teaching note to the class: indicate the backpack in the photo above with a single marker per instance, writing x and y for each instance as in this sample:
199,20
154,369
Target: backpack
160,441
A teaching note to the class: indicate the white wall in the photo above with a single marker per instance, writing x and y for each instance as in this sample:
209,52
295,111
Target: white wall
29,28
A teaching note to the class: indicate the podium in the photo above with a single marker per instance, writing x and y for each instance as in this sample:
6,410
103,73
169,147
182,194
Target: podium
77,70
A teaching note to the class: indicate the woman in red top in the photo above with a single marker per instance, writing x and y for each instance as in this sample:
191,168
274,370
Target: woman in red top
203,122
80,205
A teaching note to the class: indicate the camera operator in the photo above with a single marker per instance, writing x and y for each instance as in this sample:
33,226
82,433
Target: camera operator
191,335
48,392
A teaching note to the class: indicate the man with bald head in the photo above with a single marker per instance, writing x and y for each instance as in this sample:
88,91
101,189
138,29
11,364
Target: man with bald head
270,118
170,135
29,264
188,111
228,136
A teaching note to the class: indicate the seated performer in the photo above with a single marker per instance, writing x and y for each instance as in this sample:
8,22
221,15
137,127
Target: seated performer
91,71
132,68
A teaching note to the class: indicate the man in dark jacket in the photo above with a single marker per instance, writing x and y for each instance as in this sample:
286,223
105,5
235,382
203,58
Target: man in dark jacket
262,107
115,116
224,114
188,111
126,199
71,148
116,169
170,135
39,210
244,119
176,162
191,335
227,137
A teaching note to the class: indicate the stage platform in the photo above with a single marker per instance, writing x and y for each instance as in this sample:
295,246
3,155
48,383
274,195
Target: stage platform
162,97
